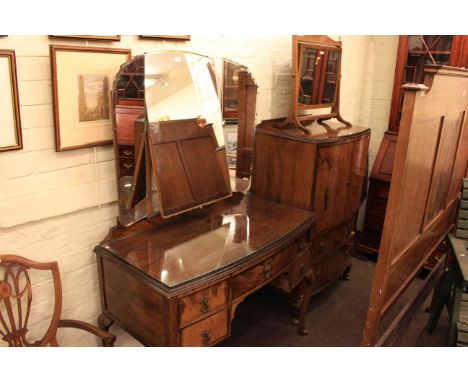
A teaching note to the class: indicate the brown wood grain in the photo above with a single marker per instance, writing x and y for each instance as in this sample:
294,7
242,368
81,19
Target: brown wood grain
421,209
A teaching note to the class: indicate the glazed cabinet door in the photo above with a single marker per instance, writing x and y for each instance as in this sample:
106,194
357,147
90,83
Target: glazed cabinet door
341,169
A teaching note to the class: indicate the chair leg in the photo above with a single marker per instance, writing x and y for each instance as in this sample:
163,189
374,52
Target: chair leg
441,300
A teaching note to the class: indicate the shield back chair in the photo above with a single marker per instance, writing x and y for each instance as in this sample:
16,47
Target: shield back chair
16,295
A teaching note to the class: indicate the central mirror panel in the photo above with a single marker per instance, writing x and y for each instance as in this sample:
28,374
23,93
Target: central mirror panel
318,76
180,85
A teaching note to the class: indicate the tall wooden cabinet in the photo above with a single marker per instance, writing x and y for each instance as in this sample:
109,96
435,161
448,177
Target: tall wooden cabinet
323,172
414,53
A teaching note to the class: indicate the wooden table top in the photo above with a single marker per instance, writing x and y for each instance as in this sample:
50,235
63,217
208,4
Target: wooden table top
208,239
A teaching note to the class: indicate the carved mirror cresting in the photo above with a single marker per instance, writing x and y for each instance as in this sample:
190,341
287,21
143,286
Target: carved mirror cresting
169,135
316,72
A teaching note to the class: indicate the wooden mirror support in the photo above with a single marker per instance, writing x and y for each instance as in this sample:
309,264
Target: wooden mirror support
316,74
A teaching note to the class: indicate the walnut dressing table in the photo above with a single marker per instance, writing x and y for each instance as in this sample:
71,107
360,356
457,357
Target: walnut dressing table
178,282
188,248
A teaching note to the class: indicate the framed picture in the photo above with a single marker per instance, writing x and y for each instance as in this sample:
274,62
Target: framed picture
10,121
231,146
82,78
87,37
163,37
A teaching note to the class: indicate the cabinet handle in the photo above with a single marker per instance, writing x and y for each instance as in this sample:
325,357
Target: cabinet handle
204,304
267,270
206,337
128,166
127,152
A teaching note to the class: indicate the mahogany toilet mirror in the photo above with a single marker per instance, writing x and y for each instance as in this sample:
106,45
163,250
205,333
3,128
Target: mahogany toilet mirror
316,74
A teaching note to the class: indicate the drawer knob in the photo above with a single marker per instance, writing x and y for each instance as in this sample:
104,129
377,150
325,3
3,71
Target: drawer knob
204,304
206,339
267,270
128,166
127,152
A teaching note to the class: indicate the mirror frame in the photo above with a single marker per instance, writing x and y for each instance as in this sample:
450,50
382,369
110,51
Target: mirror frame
299,43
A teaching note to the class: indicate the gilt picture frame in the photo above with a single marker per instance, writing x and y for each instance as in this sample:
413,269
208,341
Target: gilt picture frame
10,120
87,37
82,78
185,37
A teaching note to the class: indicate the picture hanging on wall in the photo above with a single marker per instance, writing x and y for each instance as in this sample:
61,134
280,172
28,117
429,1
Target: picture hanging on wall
10,121
87,37
82,78
185,37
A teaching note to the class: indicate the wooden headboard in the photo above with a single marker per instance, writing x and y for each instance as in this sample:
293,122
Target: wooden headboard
430,161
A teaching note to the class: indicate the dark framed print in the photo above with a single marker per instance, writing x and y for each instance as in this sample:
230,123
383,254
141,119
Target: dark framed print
165,37
87,37
82,78
10,121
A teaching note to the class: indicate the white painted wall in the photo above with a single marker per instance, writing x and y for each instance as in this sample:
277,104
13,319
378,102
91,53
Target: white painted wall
58,206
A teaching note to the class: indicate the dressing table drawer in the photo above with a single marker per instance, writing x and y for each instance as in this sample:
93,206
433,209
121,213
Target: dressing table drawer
206,332
295,272
264,271
202,303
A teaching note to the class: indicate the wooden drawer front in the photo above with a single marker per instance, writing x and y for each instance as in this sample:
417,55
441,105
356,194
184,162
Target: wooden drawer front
126,151
126,166
332,266
332,241
206,332
202,303
263,272
289,279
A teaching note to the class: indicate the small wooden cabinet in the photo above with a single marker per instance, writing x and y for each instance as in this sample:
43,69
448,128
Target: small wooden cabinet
323,172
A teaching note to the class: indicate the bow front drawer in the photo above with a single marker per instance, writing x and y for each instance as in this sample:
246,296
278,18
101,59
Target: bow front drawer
265,271
202,303
206,332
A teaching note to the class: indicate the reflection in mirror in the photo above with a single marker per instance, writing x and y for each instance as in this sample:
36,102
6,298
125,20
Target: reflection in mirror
129,142
180,85
239,107
318,75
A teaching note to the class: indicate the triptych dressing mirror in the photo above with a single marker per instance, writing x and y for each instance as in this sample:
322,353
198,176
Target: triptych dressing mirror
169,134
